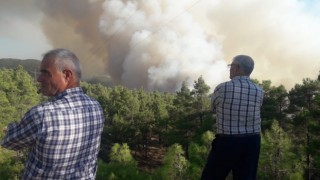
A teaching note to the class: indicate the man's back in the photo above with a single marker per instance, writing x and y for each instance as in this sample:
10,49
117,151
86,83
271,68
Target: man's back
238,104
236,146
66,136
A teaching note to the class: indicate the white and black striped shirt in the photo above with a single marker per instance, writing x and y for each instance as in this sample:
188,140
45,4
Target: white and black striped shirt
238,104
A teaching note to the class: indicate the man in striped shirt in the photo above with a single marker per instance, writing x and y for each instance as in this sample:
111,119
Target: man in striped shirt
237,105
63,134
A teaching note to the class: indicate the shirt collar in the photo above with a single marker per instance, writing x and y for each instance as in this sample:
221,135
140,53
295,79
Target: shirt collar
241,77
74,90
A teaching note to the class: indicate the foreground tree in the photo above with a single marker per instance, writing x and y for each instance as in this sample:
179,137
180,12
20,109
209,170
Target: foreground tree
201,98
277,159
304,106
174,164
198,153
275,102
121,165
18,92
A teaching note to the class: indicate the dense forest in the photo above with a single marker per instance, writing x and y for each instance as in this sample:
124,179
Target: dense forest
159,135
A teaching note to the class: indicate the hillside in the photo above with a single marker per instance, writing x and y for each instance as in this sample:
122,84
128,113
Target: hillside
30,65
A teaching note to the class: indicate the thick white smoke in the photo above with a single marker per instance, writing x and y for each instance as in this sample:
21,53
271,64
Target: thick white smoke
158,44
165,45
282,36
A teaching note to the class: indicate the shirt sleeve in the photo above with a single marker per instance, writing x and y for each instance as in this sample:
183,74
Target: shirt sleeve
215,98
23,134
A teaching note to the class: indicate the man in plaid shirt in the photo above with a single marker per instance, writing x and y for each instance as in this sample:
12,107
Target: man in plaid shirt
237,104
63,134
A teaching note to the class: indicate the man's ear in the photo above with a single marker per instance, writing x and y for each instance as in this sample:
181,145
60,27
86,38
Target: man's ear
68,75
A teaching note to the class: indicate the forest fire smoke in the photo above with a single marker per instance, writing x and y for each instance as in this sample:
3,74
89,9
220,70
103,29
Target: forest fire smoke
150,46
158,44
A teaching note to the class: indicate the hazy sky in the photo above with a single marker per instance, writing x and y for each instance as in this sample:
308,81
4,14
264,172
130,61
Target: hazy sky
157,44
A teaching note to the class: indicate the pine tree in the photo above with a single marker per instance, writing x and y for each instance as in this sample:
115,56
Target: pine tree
174,164
277,158
202,101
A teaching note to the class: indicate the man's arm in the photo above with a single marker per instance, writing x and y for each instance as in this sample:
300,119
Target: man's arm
20,135
215,98
213,107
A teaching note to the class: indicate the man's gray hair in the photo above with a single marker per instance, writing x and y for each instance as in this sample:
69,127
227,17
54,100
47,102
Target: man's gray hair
65,59
245,63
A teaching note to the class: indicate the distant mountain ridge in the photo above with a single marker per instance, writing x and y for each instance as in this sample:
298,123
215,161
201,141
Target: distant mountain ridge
30,65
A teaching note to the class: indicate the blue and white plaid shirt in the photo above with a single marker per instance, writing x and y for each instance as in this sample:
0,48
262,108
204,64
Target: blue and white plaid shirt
237,104
63,136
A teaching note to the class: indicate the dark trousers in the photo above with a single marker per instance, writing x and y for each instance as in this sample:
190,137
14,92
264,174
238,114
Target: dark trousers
237,154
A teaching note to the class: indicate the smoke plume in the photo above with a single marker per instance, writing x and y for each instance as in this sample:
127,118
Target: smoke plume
158,44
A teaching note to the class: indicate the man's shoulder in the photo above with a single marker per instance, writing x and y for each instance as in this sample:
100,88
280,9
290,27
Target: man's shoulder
42,106
78,100
223,85
90,99
48,105
37,110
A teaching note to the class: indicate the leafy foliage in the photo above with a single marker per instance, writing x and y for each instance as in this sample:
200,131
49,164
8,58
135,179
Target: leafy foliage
174,164
17,94
121,166
157,135
277,159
